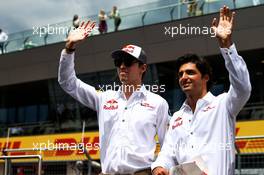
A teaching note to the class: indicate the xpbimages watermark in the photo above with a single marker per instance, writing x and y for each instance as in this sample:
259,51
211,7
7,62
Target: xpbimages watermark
210,147
54,30
193,30
51,30
81,147
130,88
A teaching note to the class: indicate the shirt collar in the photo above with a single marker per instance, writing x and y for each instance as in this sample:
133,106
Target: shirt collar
206,99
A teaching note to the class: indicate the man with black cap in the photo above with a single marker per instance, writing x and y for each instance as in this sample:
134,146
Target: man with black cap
128,118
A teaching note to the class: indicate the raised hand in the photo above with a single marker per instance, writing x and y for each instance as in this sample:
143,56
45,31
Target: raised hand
79,34
223,29
160,171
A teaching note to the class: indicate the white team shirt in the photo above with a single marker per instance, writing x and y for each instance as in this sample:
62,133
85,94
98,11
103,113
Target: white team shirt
126,127
209,132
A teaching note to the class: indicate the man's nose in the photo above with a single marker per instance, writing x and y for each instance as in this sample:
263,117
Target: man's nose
183,78
122,65
184,75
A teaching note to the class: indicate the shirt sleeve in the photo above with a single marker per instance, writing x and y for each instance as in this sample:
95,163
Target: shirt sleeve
240,87
166,157
84,93
163,121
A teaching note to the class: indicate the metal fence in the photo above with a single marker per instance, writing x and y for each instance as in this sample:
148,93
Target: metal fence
16,160
250,155
249,160
26,165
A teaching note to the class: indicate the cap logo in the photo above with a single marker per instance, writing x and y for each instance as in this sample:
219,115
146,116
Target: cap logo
129,49
133,50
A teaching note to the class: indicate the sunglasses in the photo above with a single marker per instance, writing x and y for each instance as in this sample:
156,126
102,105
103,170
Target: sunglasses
127,62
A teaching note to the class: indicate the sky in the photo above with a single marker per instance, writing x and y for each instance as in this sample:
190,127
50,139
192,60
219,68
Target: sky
19,15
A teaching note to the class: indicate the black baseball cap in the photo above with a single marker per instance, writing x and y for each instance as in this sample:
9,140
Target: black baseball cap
131,50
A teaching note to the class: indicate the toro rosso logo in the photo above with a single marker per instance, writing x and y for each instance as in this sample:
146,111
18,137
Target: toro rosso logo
129,48
177,122
208,108
111,105
147,105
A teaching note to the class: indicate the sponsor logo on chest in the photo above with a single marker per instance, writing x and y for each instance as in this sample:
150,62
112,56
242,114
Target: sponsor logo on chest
177,122
111,105
147,105
208,108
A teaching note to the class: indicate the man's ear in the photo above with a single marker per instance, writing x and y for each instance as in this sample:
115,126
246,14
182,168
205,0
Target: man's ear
206,77
144,67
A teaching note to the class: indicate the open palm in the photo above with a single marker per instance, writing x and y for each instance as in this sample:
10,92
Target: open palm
223,29
82,32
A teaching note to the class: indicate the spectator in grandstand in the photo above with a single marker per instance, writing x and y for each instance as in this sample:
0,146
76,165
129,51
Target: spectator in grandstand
116,16
191,7
75,24
200,8
28,44
234,4
75,21
3,39
102,22
203,130
129,118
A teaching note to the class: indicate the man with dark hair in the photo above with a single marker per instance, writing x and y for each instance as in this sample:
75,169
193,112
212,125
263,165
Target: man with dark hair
201,64
128,118
202,132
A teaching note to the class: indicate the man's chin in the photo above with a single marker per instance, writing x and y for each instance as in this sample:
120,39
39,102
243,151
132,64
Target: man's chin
186,89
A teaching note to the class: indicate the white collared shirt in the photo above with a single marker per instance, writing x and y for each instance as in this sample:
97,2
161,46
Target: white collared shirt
126,127
209,131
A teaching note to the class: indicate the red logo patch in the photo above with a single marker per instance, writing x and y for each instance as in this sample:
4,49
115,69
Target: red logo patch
147,105
129,48
208,108
177,122
111,105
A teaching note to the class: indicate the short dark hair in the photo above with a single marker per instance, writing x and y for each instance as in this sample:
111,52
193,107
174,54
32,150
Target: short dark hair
202,65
